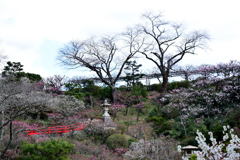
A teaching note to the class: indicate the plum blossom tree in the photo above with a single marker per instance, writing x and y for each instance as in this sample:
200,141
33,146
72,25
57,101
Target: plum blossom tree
17,98
55,83
227,149
156,149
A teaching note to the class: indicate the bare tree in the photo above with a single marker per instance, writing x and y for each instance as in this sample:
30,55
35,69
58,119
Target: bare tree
106,56
166,44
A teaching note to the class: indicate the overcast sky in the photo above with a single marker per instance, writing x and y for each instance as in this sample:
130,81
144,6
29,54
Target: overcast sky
32,31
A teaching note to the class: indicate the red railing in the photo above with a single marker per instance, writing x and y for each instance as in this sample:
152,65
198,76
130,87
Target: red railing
57,129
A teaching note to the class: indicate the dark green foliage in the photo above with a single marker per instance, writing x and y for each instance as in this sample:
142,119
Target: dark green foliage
119,141
178,84
132,73
15,70
76,92
105,92
49,150
233,117
154,87
193,157
189,140
139,90
86,89
166,121
31,76
12,68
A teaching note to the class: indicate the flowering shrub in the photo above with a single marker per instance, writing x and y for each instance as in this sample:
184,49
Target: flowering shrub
220,70
155,149
207,105
227,149
19,127
120,151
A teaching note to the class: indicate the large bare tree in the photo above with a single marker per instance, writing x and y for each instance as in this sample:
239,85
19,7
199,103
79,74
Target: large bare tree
166,43
106,56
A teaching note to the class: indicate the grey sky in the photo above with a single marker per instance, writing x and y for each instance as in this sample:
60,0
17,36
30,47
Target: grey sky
32,31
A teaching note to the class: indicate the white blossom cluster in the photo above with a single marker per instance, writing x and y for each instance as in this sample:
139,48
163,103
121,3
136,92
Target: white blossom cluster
227,149
155,149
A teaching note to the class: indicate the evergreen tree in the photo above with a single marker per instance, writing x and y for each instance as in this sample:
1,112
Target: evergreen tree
132,73
12,69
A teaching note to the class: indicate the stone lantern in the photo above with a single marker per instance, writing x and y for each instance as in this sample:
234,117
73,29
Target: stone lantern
106,116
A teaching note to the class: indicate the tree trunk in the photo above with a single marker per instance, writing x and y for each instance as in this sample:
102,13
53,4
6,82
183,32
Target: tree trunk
126,111
1,124
164,85
186,77
91,101
2,154
113,98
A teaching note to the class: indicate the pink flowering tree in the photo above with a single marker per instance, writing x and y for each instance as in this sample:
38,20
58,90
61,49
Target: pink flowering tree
54,84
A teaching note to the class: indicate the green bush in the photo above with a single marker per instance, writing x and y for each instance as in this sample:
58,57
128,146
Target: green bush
154,87
31,76
233,118
76,92
119,141
139,90
178,84
48,150
193,157
98,133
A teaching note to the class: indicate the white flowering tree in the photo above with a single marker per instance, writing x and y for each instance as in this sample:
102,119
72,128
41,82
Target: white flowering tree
18,98
227,149
156,149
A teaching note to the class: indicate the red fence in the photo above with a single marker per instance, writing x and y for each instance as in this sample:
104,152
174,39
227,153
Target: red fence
57,129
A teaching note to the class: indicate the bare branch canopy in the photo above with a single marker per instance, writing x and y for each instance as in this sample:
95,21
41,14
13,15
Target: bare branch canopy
166,43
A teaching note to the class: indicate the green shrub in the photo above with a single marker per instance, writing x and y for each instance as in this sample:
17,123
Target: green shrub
154,87
190,140
48,150
76,92
121,128
233,118
178,84
98,133
105,92
119,141
193,157
139,90
31,76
